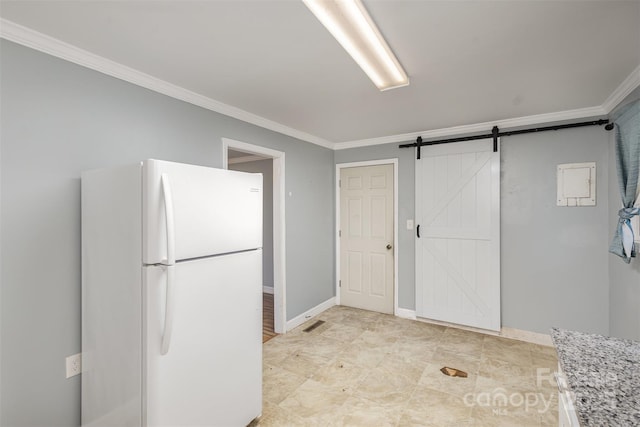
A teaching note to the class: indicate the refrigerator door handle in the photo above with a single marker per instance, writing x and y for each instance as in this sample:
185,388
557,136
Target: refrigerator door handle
168,211
169,310
171,260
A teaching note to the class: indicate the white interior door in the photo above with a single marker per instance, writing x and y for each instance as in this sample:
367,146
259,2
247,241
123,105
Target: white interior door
458,251
366,237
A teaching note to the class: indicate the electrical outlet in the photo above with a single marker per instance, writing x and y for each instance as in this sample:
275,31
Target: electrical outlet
74,365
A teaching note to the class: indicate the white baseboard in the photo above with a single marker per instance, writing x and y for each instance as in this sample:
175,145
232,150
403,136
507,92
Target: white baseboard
299,320
405,313
457,326
267,290
528,336
511,333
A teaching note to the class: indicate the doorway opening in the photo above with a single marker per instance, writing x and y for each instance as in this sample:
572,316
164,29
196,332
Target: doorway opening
246,157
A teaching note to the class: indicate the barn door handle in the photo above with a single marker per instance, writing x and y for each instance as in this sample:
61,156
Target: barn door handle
418,230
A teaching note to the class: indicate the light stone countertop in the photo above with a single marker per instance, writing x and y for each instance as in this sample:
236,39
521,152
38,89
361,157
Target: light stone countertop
604,374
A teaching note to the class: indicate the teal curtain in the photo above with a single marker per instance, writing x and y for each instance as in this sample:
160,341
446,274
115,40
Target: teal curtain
627,128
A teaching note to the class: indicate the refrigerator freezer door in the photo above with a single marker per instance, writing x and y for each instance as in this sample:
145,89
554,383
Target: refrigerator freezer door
215,211
212,372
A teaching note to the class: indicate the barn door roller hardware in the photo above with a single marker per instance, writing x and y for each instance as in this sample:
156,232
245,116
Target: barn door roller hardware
495,134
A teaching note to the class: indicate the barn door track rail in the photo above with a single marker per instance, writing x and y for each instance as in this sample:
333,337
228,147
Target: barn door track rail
495,134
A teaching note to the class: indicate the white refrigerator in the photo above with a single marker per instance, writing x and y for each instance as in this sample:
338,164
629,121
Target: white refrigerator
171,296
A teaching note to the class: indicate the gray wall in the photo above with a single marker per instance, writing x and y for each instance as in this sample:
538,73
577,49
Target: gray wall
554,263
265,167
59,119
554,259
624,279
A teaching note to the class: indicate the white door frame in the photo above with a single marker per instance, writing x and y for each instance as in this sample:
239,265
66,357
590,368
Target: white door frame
339,167
279,238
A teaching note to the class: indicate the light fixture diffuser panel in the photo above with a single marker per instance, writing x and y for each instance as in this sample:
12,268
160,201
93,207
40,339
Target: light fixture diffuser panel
351,25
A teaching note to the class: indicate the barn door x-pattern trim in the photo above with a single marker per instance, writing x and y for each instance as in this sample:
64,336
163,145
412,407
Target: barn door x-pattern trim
482,160
455,190
457,276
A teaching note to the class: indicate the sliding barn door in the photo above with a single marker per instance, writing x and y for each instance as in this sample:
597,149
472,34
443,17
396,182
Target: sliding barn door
458,248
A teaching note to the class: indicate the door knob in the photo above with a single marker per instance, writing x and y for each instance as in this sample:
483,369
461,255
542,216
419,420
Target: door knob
388,246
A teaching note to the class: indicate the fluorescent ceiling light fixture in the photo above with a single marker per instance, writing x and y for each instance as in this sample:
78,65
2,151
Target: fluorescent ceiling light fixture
349,22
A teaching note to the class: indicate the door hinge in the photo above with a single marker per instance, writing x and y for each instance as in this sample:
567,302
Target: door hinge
339,283
339,233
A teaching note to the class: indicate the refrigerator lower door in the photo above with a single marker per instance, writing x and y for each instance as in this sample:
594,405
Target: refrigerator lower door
211,374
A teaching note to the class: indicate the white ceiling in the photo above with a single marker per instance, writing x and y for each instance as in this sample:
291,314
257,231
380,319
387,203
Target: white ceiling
468,61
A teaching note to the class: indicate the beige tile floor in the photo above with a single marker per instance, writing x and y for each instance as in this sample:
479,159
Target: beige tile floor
368,369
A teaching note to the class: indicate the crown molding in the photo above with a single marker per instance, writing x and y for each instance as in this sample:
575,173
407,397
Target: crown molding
580,113
629,84
27,37
626,87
